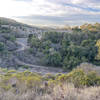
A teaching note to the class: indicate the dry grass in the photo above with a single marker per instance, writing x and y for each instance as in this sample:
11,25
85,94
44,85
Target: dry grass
60,92
87,67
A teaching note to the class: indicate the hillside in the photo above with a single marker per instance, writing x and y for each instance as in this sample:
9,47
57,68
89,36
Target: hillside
59,50
8,21
15,50
49,64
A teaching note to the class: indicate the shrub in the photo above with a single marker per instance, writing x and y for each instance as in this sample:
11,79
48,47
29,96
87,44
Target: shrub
70,63
79,78
25,66
2,47
93,79
53,59
10,37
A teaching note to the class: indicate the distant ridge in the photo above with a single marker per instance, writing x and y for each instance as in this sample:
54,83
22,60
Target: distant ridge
8,21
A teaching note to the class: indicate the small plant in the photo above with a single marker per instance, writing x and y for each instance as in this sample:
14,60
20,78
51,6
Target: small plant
25,66
2,46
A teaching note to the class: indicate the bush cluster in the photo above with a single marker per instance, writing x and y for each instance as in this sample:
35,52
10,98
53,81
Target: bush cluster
67,50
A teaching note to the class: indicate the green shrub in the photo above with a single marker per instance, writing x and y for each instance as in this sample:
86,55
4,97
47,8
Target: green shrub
25,66
53,59
93,79
10,37
70,63
2,46
79,78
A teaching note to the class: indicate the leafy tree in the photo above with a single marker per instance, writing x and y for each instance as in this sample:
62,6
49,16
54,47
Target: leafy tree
87,43
54,37
1,46
70,63
53,59
46,44
69,49
98,46
35,42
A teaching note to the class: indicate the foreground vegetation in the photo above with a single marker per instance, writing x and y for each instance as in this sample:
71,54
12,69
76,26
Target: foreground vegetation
65,92
58,49
26,85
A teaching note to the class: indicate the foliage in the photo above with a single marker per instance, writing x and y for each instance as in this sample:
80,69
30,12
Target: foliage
53,59
34,42
70,63
2,46
10,37
98,45
13,79
25,66
26,77
79,78
68,50
54,37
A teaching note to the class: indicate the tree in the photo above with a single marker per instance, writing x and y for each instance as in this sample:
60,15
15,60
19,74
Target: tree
87,43
98,46
35,42
54,37
1,46
70,62
53,59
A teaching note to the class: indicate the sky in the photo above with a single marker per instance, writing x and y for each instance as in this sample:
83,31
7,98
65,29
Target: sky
51,12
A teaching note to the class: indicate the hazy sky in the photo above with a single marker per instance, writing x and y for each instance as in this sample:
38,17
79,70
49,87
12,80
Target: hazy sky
48,12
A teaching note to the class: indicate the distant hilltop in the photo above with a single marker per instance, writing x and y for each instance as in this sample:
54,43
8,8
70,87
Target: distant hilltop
12,22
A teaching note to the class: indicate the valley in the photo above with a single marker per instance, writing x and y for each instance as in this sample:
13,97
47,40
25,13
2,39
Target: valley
42,62
18,57
32,67
49,49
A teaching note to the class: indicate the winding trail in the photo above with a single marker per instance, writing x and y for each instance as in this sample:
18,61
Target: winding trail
34,68
23,44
